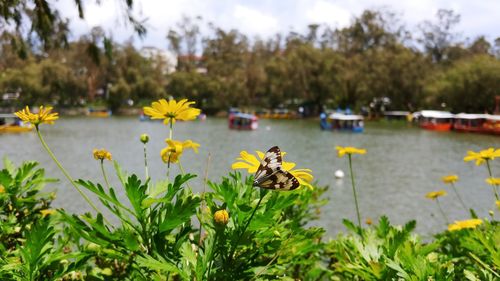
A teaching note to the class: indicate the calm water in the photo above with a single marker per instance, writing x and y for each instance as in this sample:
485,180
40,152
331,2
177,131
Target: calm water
402,163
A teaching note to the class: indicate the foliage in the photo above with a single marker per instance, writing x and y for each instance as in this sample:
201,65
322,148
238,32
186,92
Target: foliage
386,252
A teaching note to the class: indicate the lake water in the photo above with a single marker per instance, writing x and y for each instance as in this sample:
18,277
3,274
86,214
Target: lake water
403,163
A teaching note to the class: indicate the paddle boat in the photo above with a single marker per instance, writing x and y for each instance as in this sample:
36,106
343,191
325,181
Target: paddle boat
243,121
14,126
101,113
434,120
492,124
342,122
470,123
397,115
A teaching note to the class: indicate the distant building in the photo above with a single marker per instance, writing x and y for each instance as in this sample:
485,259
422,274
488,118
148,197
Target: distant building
166,59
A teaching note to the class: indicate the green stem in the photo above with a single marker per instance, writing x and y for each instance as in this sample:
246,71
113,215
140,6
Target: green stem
205,181
442,212
354,191
213,254
146,163
65,173
183,173
171,129
104,174
491,176
262,195
459,197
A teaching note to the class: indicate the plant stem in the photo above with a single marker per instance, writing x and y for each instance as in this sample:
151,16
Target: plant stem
205,180
171,131
104,174
65,173
354,191
442,212
213,254
459,197
491,176
262,195
146,163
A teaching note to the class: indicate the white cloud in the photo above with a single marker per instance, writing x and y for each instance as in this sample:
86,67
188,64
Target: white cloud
254,22
326,12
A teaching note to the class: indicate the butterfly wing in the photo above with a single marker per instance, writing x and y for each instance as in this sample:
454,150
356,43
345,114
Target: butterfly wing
280,180
269,165
269,175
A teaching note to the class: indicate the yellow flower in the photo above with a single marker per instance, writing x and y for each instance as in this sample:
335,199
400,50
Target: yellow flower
368,221
450,179
493,181
172,110
349,150
472,223
251,163
101,154
482,156
47,212
43,116
498,204
174,149
2,189
435,194
221,217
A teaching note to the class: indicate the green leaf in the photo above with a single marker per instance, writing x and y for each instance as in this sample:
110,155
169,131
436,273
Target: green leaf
160,264
180,212
8,165
122,176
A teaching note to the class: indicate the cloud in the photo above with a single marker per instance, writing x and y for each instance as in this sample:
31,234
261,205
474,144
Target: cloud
254,22
326,12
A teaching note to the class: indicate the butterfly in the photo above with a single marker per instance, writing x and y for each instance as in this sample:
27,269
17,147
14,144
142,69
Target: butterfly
270,174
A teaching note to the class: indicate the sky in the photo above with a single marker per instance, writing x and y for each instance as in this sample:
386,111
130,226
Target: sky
264,18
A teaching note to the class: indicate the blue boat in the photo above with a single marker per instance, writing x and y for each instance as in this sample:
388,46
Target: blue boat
342,122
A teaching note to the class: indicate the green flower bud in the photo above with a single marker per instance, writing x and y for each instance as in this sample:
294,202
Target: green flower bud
144,138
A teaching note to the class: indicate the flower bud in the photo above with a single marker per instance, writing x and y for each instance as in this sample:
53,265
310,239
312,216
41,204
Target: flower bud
221,217
144,138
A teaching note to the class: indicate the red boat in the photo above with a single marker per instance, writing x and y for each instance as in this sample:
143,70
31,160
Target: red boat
435,120
243,121
471,123
492,124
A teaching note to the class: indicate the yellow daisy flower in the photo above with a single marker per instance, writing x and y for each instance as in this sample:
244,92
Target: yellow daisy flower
482,156
251,163
101,154
44,115
47,212
472,223
450,179
172,110
174,149
341,151
493,181
435,194
2,189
